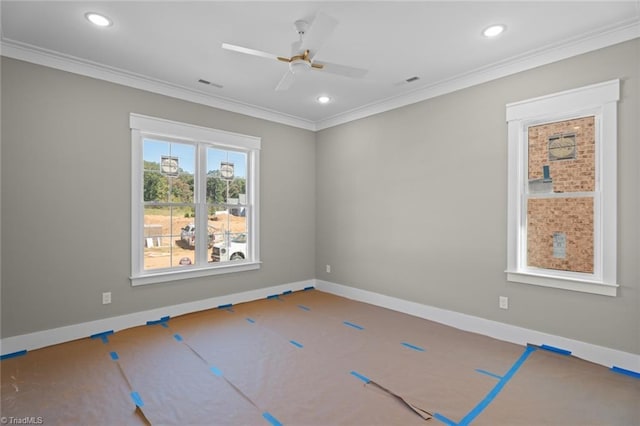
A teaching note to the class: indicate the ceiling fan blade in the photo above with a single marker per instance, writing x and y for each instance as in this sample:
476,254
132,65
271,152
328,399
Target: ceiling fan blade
285,82
320,29
249,51
342,70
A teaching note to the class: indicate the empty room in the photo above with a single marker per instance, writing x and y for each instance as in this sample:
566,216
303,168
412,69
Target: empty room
320,213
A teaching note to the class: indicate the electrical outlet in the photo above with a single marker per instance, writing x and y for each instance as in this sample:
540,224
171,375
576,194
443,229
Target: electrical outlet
328,269
504,302
106,298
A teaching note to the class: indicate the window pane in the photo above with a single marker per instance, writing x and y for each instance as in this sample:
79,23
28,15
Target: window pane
185,169
169,236
231,235
226,176
168,171
560,234
562,156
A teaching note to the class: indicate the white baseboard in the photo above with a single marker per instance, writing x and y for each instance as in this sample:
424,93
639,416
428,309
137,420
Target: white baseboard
501,331
54,336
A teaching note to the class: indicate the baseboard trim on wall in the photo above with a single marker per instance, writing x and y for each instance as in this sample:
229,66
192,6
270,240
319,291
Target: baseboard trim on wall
54,336
501,331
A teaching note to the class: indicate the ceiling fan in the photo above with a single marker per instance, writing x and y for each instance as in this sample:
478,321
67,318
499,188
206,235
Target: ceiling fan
312,37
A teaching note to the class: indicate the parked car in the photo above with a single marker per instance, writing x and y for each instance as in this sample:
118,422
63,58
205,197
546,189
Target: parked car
188,236
236,249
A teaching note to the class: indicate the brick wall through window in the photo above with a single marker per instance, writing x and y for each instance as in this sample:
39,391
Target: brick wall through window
566,221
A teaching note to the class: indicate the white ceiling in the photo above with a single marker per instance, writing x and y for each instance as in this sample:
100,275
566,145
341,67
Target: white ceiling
168,46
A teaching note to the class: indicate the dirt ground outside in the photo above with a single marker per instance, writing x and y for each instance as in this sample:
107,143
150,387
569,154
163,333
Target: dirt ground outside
167,250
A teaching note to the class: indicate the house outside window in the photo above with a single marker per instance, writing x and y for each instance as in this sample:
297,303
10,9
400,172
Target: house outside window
562,190
194,201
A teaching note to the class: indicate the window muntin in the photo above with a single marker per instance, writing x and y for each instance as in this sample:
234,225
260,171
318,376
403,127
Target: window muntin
186,178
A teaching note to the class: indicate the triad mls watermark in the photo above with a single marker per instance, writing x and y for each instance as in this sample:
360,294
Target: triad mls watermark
25,420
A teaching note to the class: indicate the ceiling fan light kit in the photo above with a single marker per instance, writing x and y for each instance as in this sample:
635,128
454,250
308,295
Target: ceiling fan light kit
299,65
311,38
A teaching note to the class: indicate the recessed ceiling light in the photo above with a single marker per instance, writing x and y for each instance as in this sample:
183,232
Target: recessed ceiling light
324,99
98,20
493,31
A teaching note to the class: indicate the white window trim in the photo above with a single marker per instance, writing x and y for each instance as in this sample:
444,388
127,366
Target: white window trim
142,126
599,100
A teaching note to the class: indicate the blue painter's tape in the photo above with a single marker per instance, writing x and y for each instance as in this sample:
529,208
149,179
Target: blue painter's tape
556,350
228,305
136,399
99,335
488,373
360,376
287,292
497,388
273,296
13,355
268,417
251,320
216,371
304,308
626,372
102,336
162,321
444,420
114,356
177,337
309,288
414,347
294,343
356,326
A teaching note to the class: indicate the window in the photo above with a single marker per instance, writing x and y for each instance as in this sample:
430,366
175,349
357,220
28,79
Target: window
194,201
562,190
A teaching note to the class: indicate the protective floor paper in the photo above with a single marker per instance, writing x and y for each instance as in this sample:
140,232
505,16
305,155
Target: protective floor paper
309,358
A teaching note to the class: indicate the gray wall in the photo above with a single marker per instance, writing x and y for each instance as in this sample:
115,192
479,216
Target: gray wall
411,203
66,170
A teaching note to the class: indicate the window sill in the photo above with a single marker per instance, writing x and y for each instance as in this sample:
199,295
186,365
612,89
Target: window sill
161,277
573,284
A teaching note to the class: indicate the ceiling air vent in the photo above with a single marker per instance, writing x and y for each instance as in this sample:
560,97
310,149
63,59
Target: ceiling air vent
208,83
412,79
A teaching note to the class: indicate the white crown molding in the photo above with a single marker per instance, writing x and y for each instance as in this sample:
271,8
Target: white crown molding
25,52
528,60
497,330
